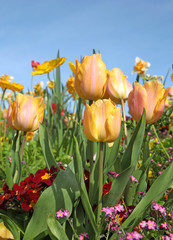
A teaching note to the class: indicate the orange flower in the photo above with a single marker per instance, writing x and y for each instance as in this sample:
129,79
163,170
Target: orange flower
12,86
151,97
102,122
91,77
25,113
141,66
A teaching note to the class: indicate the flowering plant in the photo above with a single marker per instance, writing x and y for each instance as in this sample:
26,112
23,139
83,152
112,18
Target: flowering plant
93,175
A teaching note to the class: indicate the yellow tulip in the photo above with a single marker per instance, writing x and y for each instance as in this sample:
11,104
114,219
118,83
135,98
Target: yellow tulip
151,97
91,77
4,232
25,113
102,121
118,86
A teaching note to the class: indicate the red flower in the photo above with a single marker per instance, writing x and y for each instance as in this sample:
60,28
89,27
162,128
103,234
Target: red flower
34,64
62,112
7,196
54,107
44,176
106,187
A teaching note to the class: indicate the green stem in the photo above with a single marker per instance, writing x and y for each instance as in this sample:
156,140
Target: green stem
124,121
23,144
100,184
91,178
75,234
160,141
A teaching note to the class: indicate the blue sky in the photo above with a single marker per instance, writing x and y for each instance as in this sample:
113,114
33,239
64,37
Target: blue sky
120,30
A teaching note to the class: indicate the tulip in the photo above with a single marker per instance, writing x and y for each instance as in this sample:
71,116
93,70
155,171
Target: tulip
25,113
118,86
4,232
102,122
151,97
91,77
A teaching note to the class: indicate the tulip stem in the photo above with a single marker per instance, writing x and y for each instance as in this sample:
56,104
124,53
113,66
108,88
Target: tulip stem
160,141
22,147
91,178
100,183
124,121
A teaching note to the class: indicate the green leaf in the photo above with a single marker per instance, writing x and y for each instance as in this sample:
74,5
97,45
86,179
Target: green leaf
61,194
128,164
83,192
55,230
46,146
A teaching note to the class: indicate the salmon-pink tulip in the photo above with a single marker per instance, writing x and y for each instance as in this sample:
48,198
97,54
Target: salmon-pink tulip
91,77
25,113
118,86
102,121
151,97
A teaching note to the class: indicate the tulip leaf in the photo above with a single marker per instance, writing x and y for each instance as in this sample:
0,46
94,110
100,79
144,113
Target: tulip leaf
83,192
128,164
61,194
55,230
11,226
46,146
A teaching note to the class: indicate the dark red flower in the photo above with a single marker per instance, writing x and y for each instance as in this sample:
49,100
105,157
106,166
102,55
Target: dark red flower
7,196
106,187
44,176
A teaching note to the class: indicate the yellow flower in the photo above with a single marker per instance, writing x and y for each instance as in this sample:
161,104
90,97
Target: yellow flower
6,77
150,173
29,136
4,232
70,85
72,67
91,77
102,122
141,66
48,66
38,89
118,86
51,84
25,113
172,76
12,86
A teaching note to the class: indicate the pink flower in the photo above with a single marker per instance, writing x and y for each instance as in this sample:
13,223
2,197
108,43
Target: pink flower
133,179
83,236
108,211
66,213
143,224
119,208
59,214
129,236
151,224
136,235
164,225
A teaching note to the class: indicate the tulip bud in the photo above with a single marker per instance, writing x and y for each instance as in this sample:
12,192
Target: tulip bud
102,122
151,97
91,77
25,113
118,86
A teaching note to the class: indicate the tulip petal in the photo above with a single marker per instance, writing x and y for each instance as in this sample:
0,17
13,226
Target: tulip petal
89,125
113,125
155,92
137,101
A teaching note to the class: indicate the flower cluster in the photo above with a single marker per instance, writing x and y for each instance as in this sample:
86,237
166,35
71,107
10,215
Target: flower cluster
25,195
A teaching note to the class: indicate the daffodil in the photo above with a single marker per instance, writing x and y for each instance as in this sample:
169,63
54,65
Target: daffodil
141,66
